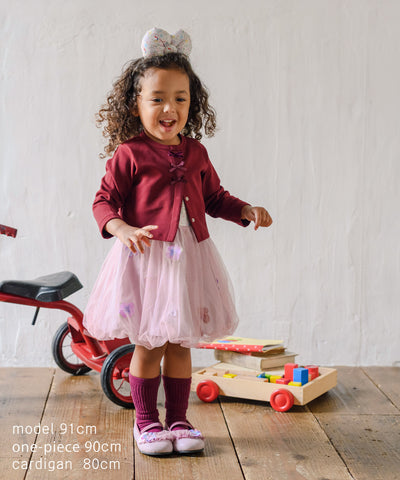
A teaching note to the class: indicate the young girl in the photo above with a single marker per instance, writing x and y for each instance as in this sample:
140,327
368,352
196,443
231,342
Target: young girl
163,284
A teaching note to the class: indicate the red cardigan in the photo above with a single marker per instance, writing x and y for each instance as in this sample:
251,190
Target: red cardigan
145,183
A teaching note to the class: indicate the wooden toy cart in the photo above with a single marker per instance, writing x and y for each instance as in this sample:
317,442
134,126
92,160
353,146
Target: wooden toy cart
226,379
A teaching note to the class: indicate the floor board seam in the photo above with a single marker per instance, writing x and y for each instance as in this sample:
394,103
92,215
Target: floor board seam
40,421
333,446
231,438
379,388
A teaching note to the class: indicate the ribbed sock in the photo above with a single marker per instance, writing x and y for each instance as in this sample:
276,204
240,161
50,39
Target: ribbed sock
144,395
177,392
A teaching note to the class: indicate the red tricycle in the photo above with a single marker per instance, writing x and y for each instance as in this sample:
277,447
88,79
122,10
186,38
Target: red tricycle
74,350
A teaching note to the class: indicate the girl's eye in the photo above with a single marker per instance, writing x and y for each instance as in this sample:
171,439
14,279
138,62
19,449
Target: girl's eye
156,100
180,99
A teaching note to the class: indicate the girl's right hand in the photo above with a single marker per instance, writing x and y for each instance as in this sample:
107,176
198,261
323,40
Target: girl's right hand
132,237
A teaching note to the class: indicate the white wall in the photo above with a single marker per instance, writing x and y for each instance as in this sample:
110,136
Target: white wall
308,106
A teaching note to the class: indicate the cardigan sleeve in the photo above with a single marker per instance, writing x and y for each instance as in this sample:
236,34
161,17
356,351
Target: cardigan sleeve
218,201
114,188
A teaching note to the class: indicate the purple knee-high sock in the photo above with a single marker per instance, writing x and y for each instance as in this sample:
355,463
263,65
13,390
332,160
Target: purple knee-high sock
144,395
177,392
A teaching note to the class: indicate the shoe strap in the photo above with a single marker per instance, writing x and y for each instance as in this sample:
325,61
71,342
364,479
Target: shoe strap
184,424
150,426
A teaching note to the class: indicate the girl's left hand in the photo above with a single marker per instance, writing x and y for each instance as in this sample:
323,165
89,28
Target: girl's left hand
258,215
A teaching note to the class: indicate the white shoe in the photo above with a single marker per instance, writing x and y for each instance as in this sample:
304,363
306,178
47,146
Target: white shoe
153,443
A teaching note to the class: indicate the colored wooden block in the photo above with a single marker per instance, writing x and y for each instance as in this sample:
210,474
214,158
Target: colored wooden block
300,375
274,378
282,381
230,375
261,375
295,384
289,367
313,372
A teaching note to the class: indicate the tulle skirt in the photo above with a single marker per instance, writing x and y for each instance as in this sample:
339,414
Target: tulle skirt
177,292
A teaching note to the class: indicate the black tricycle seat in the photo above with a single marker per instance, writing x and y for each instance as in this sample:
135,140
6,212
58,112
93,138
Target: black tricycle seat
49,288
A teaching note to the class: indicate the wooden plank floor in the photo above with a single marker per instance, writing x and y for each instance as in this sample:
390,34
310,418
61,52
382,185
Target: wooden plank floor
69,429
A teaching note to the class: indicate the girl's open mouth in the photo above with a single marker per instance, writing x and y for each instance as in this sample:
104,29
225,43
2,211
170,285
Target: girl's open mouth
167,123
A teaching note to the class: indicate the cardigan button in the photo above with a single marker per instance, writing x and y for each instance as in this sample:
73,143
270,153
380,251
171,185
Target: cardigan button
187,199
193,220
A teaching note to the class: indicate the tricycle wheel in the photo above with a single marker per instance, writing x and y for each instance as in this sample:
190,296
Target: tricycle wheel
207,390
281,400
63,355
115,376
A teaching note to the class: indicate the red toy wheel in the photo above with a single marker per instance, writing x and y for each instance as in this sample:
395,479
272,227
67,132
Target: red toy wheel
281,400
114,376
63,354
207,391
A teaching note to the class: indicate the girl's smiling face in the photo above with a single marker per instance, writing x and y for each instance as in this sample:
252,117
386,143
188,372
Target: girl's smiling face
163,104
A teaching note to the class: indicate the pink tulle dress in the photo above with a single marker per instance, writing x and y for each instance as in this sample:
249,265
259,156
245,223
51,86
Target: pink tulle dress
177,292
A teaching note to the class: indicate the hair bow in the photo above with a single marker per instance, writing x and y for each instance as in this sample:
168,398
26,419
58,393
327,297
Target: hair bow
159,42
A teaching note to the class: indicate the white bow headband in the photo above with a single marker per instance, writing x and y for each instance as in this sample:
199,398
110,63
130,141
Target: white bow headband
159,42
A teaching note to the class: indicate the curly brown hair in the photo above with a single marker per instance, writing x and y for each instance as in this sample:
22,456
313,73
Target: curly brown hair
116,118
